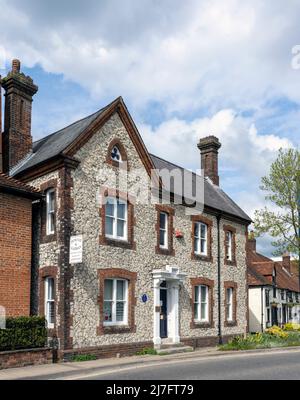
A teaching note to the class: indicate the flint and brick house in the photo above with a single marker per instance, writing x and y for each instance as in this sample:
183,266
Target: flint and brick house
274,295
150,272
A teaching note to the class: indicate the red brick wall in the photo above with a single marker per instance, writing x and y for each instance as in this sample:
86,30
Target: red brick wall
22,358
15,254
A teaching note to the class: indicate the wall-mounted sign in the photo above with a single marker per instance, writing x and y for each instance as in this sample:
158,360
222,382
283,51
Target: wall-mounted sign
144,298
76,245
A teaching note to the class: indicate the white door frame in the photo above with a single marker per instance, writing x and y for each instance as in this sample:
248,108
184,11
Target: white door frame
174,279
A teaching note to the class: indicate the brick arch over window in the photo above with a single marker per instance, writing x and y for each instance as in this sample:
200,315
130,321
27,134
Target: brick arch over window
119,145
210,284
131,277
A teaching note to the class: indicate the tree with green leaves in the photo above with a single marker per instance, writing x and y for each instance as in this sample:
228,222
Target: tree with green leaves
282,187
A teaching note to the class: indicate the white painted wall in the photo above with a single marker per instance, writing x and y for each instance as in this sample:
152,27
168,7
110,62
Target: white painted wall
255,309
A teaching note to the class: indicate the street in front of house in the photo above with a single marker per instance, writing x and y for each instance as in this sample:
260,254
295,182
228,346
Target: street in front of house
208,364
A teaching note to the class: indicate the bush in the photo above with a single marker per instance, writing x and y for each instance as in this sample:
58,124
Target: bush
83,357
276,331
147,351
291,327
23,333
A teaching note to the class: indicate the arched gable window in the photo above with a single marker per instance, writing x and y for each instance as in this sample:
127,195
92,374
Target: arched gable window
116,154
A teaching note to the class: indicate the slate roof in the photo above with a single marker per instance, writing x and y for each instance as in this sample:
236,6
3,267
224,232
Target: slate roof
54,144
214,196
11,185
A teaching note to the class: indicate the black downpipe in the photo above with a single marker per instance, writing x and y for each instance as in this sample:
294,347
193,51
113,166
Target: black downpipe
219,282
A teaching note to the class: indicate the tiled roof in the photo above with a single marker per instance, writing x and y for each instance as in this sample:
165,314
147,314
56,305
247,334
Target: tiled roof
8,183
260,270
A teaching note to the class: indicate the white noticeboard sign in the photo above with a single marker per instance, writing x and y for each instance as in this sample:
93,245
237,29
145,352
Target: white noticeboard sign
76,245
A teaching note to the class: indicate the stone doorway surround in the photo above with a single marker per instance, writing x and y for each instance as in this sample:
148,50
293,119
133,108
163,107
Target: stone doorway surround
174,278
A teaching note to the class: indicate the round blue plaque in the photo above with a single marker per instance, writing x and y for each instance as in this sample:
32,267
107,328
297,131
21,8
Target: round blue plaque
144,298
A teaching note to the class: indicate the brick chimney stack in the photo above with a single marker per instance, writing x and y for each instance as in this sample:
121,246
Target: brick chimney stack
286,261
251,242
209,147
16,138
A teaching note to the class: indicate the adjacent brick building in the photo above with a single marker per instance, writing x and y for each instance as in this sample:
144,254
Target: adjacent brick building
151,273
15,245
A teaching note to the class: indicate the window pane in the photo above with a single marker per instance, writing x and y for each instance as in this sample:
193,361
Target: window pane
203,231
109,225
203,311
107,311
51,312
121,211
196,230
50,289
51,201
203,246
196,294
163,220
121,228
108,289
228,312
196,245
120,290
196,311
162,235
109,208
120,311
203,294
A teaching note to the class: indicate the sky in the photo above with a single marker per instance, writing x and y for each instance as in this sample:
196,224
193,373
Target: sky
186,69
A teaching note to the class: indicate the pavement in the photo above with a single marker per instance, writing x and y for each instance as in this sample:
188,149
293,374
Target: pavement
204,363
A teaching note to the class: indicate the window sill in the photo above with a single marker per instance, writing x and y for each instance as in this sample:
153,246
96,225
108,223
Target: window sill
165,252
230,323
115,329
48,238
201,257
228,262
117,243
201,325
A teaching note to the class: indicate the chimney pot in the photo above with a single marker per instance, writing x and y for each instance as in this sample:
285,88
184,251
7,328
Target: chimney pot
209,147
16,66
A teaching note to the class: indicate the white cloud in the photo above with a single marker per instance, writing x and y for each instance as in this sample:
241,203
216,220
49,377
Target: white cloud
186,54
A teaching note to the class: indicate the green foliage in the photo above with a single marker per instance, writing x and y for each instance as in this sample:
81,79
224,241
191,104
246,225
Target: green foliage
23,333
147,351
272,337
281,222
291,327
83,357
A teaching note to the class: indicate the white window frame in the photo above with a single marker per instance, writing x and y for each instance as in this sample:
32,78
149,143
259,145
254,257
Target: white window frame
114,301
50,325
115,218
198,239
229,304
200,301
229,246
165,230
50,212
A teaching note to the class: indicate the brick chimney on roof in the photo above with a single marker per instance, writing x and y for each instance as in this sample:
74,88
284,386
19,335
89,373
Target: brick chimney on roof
209,147
251,242
16,138
286,261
